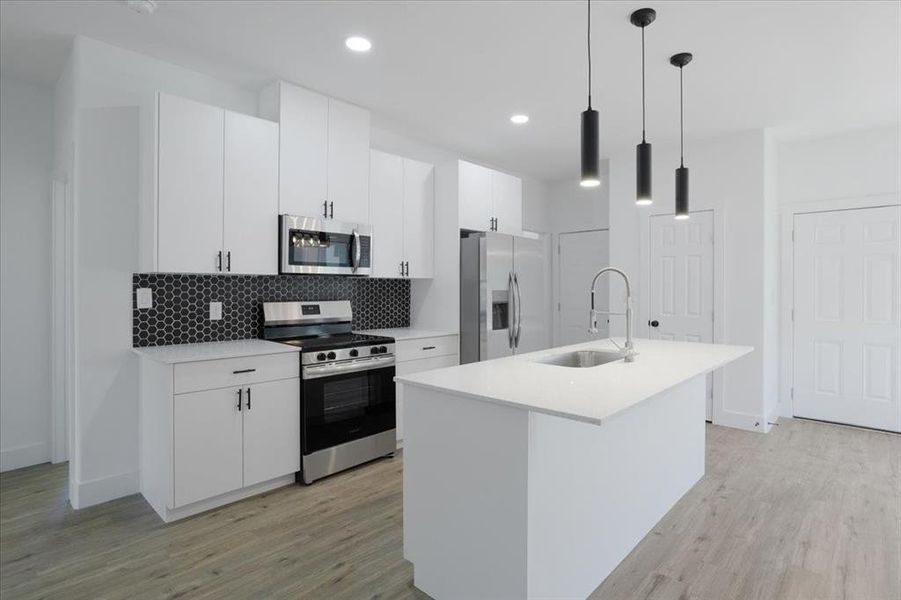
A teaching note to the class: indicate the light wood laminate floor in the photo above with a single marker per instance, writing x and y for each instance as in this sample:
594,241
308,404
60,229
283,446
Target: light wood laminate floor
809,511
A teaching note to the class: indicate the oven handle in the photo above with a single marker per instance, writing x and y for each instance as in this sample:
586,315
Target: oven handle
352,366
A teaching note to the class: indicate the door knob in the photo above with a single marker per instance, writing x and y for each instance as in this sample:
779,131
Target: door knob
654,323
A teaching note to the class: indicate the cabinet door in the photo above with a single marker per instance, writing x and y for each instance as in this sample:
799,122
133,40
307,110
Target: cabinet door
475,197
506,200
419,218
189,192
416,366
271,430
386,209
348,162
251,195
303,151
207,445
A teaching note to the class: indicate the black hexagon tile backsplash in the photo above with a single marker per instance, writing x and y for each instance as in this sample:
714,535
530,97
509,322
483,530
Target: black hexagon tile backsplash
181,304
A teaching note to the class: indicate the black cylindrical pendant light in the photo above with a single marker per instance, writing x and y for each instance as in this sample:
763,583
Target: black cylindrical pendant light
642,18
680,60
591,168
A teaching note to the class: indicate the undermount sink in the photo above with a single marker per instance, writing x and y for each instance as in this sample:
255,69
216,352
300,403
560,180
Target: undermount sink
581,359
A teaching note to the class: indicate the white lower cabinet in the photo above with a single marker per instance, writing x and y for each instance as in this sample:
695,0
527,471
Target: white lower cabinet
207,447
418,355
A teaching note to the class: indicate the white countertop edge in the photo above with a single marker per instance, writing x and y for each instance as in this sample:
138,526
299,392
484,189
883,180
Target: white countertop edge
576,416
186,353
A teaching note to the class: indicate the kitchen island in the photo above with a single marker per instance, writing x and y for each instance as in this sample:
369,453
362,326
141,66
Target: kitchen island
533,476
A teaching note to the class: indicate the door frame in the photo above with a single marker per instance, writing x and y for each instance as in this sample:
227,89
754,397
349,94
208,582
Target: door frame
787,279
558,273
717,409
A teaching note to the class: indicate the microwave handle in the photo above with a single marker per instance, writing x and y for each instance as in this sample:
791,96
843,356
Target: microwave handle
356,250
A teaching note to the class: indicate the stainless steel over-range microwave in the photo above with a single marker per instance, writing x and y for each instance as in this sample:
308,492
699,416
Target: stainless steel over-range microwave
324,247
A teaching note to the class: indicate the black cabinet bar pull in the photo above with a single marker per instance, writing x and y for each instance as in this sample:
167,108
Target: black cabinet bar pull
243,371
428,347
219,261
240,391
401,268
325,209
331,210
407,274
228,261
248,398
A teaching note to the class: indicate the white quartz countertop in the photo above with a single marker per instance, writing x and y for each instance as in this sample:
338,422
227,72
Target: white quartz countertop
588,394
407,333
182,353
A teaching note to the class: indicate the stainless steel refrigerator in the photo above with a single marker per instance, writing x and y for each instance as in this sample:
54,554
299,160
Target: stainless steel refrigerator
504,296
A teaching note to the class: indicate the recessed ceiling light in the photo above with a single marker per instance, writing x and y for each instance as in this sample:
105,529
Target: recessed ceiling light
144,7
519,119
358,44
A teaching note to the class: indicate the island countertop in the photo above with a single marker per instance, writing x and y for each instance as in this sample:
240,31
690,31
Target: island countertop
589,394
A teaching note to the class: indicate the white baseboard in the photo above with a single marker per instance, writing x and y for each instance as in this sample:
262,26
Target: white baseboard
88,493
173,514
24,456
740,420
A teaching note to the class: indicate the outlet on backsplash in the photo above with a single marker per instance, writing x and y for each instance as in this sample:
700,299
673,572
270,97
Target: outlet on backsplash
215,311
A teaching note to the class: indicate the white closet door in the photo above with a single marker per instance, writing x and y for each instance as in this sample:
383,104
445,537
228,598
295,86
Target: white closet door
386,209
348,162
419,218
189,191
251,195
681,279
847,336
579,256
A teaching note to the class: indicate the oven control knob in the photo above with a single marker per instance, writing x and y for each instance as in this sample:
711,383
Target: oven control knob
353,352
374,350
331,356
382,349
320,356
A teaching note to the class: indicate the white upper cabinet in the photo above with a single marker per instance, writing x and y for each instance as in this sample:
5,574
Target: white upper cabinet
489,200
303,118
402,208
323,153
506,200
189,193
475,197
386,199
348,162
419,219
251,195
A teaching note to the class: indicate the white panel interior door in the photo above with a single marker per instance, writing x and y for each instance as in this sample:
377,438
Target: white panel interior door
419,218
386,207
271,430
207,445
348,161
475,196
190,186
579,256
251,195
847,336
681,281
303,151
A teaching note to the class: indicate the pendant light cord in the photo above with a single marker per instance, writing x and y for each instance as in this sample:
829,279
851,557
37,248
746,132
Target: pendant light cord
681,125
589,53
642,87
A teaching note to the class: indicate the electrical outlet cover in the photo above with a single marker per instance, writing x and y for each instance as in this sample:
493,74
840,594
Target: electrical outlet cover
144,297
215,311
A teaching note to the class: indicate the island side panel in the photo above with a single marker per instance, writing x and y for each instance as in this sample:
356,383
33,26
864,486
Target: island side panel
596,491
465,488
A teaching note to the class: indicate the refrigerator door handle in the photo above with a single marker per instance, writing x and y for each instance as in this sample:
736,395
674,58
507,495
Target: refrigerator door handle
518,306
511,310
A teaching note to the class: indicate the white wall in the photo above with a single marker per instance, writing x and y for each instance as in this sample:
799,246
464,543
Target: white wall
104,461
574,208
26,157
728,176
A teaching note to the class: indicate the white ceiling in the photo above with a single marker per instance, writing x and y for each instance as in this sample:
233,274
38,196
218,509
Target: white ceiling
453,72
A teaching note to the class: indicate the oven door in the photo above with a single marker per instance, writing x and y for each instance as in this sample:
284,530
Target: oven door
355,402
324,247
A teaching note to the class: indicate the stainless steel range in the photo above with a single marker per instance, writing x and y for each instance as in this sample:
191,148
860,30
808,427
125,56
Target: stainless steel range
347,397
